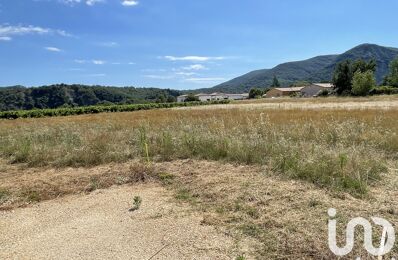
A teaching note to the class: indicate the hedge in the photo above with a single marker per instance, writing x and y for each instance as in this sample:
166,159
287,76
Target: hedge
37,113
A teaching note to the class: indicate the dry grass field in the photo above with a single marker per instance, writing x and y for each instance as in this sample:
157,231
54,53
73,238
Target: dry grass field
264,173
374,102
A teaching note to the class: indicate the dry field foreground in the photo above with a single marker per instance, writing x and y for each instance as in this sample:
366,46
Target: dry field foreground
214,183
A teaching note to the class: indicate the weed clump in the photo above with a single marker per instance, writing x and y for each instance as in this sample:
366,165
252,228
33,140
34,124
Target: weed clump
136,203
4,195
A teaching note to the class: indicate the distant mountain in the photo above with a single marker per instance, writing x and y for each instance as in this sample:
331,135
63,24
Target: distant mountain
318,69
60,95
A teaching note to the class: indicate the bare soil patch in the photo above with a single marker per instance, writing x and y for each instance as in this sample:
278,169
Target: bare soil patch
100,226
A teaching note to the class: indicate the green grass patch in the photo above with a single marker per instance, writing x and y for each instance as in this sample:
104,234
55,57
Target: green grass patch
4,195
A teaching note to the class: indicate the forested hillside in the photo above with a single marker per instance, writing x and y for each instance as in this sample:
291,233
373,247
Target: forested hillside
61,95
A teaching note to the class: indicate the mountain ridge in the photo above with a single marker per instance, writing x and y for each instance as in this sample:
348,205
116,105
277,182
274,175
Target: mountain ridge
319,68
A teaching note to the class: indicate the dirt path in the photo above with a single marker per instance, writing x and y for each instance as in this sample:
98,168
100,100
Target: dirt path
100,226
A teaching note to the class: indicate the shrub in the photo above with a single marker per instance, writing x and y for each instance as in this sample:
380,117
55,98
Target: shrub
255,93
136,203
363,82
384,90
324,93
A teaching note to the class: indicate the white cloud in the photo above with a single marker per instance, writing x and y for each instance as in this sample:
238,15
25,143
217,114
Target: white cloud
98,62
69,2
21,30
53,49
88,2
63,33
129,3
93,2
122,63
5,38
192,58
108,44
195,67
8,31
186,73
95,62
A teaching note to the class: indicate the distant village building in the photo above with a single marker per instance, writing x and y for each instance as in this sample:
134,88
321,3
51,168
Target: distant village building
315,89
215,96
311,90
283,92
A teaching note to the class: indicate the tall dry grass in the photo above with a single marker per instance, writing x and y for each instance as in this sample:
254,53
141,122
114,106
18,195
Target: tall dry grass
336,149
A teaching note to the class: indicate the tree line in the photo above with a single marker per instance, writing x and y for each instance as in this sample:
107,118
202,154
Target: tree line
62,95
357,78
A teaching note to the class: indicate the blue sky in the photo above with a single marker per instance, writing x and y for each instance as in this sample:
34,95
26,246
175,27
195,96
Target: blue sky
179,44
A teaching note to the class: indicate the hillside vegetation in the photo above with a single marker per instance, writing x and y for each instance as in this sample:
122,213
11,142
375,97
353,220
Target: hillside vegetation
62,95
317,69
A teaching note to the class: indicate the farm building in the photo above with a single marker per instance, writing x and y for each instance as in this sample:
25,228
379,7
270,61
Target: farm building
314,89
215,96
311,90
283,92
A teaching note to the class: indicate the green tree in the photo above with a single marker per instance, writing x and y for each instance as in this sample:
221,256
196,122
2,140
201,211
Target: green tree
342,78
392,78
363,66
275,82
255,93
363,82
171,99
191,97
344,74
161,98
386,80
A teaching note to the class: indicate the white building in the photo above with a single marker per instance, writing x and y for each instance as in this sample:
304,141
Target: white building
215,96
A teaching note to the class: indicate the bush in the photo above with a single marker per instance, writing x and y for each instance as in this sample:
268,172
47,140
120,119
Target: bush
324,93
384,90
255,93
363,82
136,203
